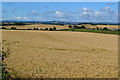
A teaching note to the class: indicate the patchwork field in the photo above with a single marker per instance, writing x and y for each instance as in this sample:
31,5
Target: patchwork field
101,26
60,54
60,26
38,26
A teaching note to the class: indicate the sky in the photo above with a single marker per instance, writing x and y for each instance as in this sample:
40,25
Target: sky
60,11
60,0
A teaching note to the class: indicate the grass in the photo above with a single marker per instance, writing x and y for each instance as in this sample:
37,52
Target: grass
94,31
5,53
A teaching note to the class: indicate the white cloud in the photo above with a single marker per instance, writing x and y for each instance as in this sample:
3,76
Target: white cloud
105,14
59,14
25,18
83,14
34,13
86,12
19,18
86,9
97,13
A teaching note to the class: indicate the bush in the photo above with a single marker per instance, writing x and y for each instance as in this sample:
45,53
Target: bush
75,26
41,29
70,26
54,28
6,50
4,28
29,29
46,29
97,28
13,28
79,27
82,27
105,28
50,29
93,28
35,28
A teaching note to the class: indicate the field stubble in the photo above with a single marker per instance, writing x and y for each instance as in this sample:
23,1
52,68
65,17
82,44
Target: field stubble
62,54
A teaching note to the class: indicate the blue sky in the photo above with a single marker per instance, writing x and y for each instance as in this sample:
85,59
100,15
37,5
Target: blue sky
61,11
60,0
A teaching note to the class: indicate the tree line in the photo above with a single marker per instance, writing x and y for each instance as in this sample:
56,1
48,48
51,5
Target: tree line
83,27
48,29
35,28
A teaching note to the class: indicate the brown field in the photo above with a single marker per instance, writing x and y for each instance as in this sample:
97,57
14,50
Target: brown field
61,27
109,26
39,26
101,26
59,54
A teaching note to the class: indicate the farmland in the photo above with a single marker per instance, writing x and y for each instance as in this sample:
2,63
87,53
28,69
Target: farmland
64,40
61,54
38,26
111,29
60,26
93,31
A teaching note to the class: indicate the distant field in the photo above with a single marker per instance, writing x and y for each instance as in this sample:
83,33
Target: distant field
65,28
93,31
39,26
61,54
61,27
101,26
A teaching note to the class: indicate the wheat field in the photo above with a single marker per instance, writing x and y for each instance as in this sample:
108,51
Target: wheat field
60,54
38,26
60,26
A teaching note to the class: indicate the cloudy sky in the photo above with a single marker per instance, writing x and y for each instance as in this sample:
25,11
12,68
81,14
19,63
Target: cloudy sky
61,11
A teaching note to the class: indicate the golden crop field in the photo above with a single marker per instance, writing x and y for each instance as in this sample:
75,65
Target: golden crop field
60,26
101,26
39,26
60,54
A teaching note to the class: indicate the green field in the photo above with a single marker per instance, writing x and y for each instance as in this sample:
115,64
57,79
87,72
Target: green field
94,31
